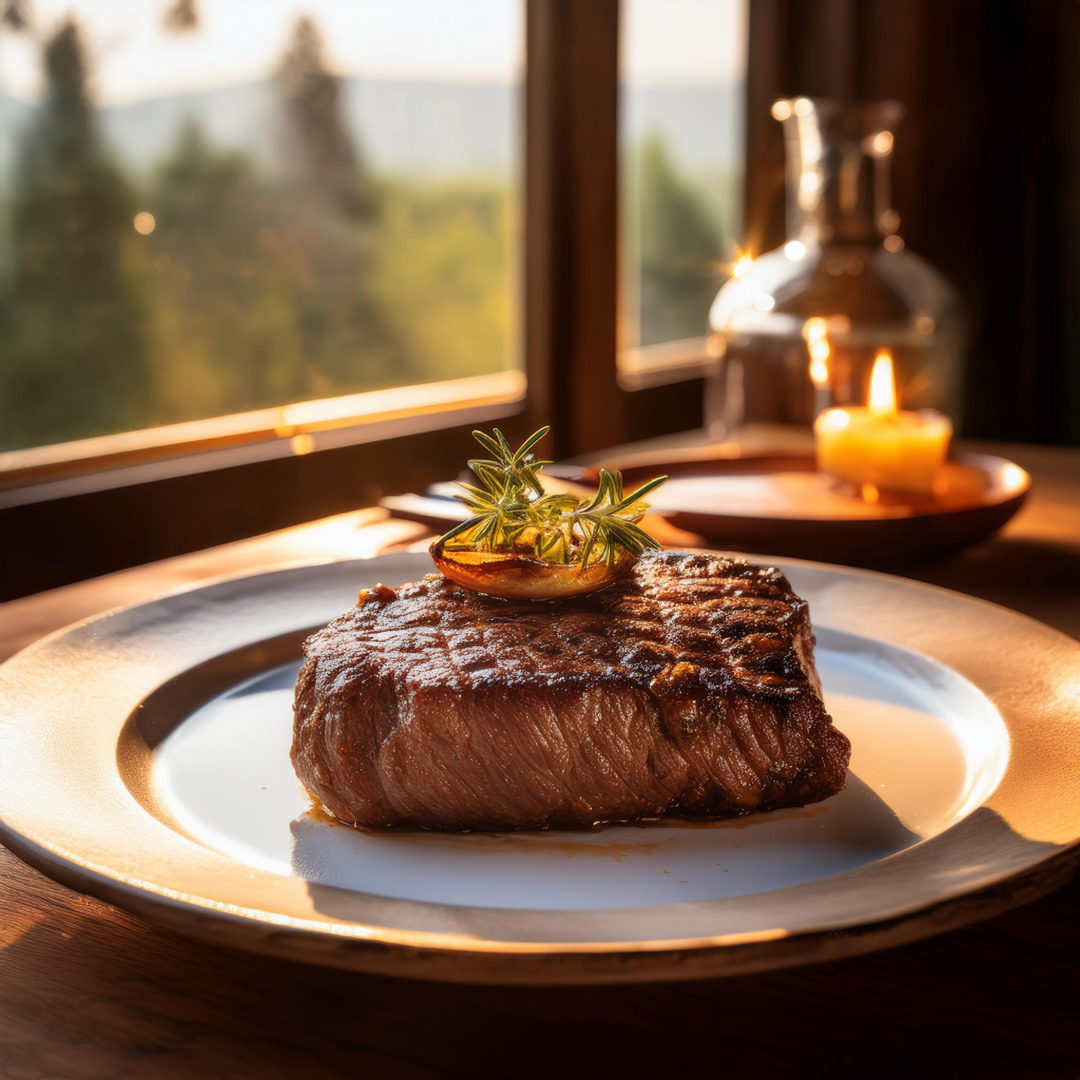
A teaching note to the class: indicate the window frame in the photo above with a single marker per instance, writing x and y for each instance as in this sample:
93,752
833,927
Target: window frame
76,510
83,465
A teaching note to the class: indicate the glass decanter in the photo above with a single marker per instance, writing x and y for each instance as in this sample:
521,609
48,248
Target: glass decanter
797,329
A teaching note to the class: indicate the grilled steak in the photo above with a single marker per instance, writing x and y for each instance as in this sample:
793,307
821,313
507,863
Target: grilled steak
688,688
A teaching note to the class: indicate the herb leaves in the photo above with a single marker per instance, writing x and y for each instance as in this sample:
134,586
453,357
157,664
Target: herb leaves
511,512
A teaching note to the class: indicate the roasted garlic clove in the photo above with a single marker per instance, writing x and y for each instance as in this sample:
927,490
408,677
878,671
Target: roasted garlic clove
521,577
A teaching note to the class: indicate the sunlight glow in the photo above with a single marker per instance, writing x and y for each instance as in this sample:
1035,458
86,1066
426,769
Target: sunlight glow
1014,477
818,345
819,363
883,142
742,266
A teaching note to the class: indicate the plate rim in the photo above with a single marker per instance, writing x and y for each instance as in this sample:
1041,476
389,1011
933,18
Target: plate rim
623,959
664,963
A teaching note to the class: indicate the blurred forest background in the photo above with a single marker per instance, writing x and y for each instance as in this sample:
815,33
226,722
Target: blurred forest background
220,278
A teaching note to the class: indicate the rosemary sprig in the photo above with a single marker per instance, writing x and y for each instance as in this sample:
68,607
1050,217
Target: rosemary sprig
512,513
607,522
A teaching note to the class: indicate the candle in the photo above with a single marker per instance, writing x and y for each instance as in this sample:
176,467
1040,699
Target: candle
880,447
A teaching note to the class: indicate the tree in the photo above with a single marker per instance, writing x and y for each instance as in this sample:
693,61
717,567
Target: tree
262,295
678,244
318,153
75,354
227,334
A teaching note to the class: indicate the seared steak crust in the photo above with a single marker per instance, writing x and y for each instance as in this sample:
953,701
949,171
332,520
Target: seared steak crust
687,688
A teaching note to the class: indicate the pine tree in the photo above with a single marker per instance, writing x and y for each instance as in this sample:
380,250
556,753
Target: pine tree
317,151
76,357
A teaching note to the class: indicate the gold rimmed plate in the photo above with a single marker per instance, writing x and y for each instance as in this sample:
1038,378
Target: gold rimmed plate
144,759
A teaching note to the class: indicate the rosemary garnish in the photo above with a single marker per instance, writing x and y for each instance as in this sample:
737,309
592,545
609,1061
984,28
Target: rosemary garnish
512,512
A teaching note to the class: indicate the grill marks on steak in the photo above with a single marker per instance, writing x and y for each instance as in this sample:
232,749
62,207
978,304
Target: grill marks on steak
688,687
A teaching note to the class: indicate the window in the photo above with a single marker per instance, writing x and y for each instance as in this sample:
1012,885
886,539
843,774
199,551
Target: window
267,260
191,229
683,74
229,293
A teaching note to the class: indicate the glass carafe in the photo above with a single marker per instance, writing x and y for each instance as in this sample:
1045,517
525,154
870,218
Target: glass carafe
797,329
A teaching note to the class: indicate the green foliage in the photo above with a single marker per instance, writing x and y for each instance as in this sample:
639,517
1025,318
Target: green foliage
226,327
264,299
75,314
511,511
258,288
442,276
251,291
261,298
674,246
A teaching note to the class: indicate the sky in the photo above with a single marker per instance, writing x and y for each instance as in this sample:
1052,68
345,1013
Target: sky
668,42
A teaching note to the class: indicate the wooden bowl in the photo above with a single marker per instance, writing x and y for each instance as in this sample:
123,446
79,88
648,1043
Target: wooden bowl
779,504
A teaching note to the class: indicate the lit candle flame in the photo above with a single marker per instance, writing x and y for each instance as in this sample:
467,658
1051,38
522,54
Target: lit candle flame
882,386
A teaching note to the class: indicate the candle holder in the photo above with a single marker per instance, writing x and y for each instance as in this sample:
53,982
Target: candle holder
795,331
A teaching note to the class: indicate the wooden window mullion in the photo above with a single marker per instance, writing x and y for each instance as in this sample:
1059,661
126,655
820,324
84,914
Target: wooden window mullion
571,222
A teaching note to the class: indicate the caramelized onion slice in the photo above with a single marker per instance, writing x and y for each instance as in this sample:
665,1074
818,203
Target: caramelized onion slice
519,577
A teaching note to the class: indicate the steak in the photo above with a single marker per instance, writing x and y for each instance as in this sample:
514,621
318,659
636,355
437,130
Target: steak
687,688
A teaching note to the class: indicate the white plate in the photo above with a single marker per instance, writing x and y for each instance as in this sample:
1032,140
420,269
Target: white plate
145,759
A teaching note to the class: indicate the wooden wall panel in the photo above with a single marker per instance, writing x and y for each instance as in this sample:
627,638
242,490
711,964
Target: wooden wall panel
986,171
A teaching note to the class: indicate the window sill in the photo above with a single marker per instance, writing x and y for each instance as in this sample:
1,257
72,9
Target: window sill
659,365
135,457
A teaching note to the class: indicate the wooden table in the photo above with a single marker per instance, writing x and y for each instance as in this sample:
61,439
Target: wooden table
87,991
